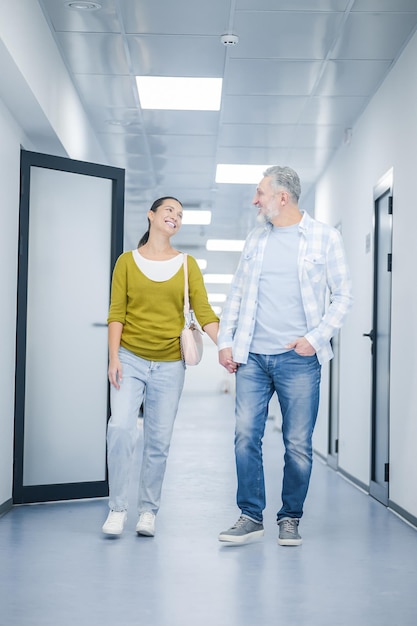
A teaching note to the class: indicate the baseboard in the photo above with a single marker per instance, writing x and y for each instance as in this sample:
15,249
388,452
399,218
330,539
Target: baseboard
353,480
407,517
5,507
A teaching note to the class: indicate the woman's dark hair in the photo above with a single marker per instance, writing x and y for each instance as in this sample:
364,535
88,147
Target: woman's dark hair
154,208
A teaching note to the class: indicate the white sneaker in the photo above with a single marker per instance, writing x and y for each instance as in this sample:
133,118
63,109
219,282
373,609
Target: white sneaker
114,523
146,524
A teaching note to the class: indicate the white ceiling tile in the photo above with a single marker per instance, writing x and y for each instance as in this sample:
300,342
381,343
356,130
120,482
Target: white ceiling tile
253,156
178,145
393,6
352,78
176,55
194,165
181,122
65,19
173,181
341,111
133,163
308,157
374,35
180,17
292,5
262,109
292,35
285,78
94,53
260,135
319,135
112,91
129,144
105,118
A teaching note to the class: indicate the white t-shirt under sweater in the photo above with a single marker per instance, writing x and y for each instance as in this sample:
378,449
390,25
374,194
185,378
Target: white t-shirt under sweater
158,271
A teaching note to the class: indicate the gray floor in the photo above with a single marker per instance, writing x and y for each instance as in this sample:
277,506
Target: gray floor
357,565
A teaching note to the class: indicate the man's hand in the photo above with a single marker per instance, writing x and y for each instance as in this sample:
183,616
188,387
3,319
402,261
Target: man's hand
302,347
226,359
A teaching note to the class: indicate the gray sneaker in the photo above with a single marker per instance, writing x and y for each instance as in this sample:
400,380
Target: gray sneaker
244,531
288,532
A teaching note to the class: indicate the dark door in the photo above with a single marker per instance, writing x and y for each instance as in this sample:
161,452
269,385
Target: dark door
334,377
380,337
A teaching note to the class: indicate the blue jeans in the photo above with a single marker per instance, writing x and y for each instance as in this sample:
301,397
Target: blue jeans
296,379
160,384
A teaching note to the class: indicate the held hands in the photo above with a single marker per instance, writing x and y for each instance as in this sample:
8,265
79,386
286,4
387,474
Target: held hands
115,373
302,347
226,359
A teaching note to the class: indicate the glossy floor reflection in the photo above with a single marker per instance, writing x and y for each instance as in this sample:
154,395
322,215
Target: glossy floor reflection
357,565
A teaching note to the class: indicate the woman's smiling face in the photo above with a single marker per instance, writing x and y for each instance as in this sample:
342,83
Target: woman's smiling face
168,216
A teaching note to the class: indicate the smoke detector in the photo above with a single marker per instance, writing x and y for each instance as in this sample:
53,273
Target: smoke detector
229,40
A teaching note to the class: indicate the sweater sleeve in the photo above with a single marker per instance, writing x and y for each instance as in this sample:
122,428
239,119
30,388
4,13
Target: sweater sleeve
198,295
118,297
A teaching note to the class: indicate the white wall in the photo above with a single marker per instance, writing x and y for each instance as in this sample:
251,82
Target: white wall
11,137
37,98
385,137
39,78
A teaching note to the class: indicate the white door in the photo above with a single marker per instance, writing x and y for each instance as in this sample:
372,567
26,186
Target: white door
68,222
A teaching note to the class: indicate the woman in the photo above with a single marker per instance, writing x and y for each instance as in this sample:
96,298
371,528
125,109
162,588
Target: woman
144,324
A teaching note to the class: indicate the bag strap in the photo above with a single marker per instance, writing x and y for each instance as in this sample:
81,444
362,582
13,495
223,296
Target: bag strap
186,298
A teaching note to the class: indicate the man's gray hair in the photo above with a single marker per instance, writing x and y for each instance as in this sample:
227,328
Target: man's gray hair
285,177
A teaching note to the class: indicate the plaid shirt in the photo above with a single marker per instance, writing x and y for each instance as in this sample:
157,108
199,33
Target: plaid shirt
324,281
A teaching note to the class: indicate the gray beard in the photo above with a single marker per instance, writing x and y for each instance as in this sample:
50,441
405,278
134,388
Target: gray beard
264,218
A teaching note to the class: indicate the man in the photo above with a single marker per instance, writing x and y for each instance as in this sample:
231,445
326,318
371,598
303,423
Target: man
275,334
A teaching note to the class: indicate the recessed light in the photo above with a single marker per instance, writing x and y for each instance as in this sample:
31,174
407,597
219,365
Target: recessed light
118,122
83,6
216,297
202,263
225,245
179,93
199,218
235,173
219,279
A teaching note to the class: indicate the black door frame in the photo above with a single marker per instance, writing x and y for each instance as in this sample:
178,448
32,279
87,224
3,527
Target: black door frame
379,489
67,491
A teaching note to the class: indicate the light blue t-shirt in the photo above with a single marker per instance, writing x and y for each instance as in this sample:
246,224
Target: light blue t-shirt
280,314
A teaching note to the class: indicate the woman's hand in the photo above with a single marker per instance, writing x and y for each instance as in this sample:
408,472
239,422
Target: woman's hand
115,372
226,359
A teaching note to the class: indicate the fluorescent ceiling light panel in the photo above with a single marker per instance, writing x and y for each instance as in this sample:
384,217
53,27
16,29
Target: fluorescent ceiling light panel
239,174
202,263
179,93
191,217
216,297
225,245
219,279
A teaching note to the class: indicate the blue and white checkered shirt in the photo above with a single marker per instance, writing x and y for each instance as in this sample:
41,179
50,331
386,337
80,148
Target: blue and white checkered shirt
324,281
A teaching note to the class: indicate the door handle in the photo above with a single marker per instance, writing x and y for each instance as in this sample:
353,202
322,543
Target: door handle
371,335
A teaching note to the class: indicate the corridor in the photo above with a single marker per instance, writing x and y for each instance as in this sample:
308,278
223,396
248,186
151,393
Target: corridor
357,565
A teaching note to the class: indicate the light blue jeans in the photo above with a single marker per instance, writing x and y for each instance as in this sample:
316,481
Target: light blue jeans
159,384
296,379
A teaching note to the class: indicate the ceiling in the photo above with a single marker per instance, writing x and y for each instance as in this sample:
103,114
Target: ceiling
301,74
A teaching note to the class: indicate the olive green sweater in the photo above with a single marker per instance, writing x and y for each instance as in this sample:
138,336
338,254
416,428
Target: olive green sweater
152,313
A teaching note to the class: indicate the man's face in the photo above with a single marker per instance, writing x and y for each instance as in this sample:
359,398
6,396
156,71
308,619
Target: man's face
267,200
